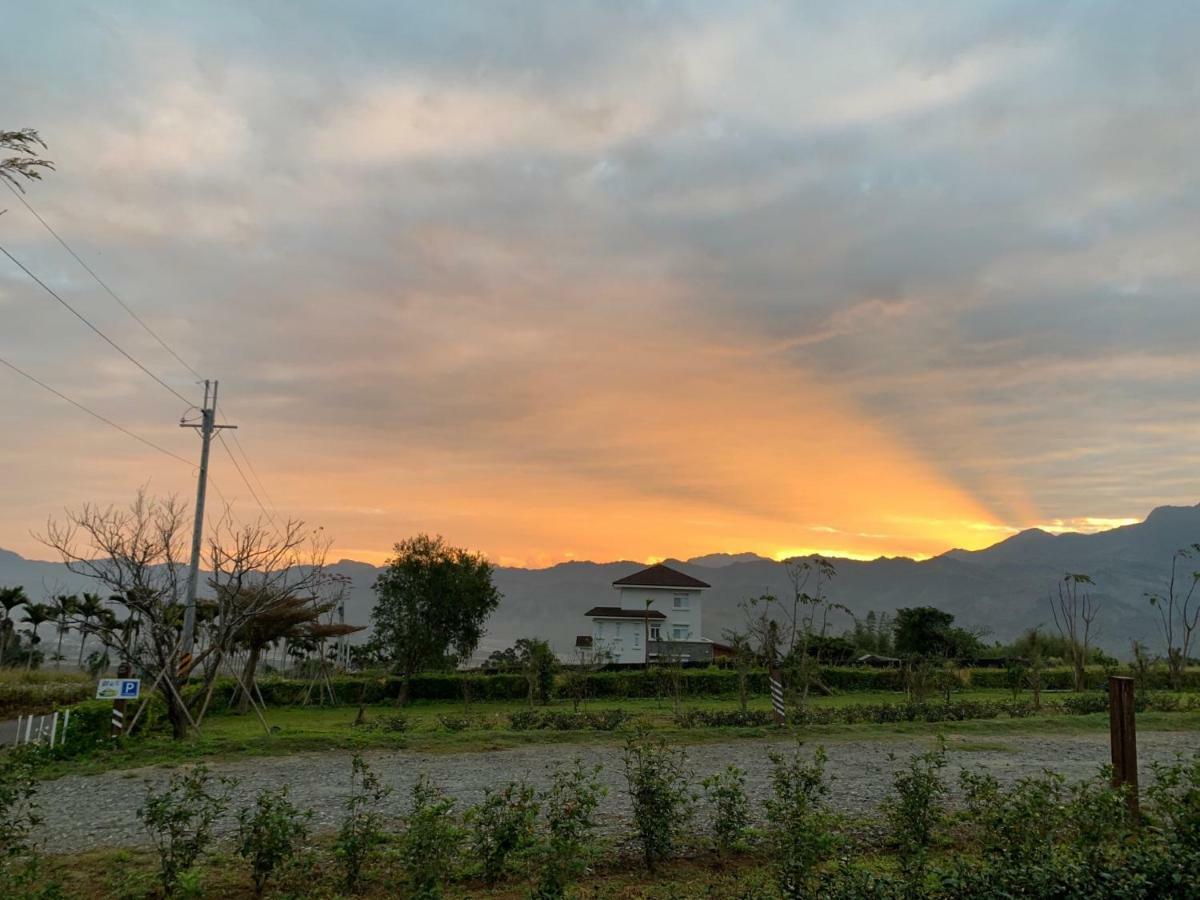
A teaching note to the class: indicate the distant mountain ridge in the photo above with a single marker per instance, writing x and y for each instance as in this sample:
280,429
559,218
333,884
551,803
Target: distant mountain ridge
1002,588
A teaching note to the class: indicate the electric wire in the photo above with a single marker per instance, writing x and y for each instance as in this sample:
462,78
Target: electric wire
133,314
254,473
245,480
49,290
94,414
100,281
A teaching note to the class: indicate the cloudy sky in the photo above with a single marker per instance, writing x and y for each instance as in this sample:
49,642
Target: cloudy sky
614,279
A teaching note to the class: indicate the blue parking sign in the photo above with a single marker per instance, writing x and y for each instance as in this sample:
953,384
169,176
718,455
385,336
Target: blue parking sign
119,689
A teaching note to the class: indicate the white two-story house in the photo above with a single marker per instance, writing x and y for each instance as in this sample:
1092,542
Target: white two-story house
658,616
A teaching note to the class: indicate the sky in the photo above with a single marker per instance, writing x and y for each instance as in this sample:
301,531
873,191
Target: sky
612,280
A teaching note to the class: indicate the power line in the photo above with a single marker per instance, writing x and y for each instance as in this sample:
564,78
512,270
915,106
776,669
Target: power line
125,306
96,415
100,281
262,487
245,480
84,320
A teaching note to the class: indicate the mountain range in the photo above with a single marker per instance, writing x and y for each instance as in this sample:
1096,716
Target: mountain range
1003,589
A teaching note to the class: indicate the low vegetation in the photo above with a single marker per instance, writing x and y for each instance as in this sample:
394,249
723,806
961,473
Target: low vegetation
1036,837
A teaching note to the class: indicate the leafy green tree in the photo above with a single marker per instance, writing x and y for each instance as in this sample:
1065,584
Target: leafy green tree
929,631
10,599
539,664
431,599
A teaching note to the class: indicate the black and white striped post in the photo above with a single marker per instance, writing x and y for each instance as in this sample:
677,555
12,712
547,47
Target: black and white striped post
774,675
118,713
777,696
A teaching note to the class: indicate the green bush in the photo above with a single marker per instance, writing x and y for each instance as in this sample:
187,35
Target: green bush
431,840
534,719
17,698
503,829
570,809
799,827
180,819
730,810
914,812
270,834
658,781
724,718
20,860
361,831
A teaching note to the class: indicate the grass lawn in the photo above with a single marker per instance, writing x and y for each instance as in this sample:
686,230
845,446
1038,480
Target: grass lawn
311,729
619,876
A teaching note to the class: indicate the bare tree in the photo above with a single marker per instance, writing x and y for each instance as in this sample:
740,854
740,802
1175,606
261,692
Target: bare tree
1179,613
139,554
267,582
1075,610
809,620
26,164
805,573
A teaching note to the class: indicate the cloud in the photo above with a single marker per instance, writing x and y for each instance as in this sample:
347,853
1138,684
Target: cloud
621,280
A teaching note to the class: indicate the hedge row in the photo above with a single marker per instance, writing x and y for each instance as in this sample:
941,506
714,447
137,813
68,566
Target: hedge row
22,699
604,720
639,683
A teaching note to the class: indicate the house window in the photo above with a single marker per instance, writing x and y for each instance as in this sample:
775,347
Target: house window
655,633
682,601
637,640
679,633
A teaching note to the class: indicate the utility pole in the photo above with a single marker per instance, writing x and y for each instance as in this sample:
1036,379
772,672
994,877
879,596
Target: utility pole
208,424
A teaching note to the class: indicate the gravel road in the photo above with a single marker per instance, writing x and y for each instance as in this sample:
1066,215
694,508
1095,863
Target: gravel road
84,812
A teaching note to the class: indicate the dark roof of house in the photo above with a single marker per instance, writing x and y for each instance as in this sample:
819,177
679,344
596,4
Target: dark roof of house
659,575
583,640
615,612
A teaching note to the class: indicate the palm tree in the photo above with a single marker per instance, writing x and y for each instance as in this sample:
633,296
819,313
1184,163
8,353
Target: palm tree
90,609
36,615
10,599
64,607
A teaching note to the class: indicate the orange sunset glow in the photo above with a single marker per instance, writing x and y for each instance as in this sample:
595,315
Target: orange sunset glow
724,282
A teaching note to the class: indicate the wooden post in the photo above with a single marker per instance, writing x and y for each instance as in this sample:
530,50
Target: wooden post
1123,737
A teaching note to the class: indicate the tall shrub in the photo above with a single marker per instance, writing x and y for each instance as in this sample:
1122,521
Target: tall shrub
361,831
799,826
431,840
570,809
503,828
180,819
658,781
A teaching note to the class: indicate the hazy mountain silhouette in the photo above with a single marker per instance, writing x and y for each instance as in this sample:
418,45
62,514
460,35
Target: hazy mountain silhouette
1003,588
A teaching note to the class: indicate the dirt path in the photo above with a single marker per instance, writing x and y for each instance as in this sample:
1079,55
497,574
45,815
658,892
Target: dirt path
96,811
